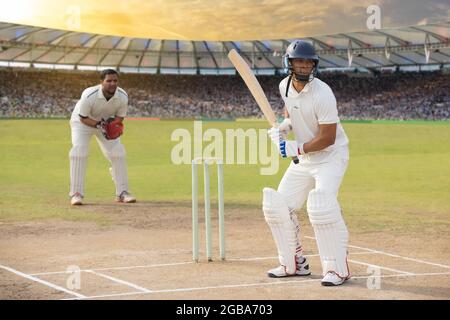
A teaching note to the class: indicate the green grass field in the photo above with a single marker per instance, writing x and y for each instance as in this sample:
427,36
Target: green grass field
398,177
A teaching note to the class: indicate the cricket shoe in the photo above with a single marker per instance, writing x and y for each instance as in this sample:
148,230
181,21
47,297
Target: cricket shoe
333,279
126,197
280,272
76,199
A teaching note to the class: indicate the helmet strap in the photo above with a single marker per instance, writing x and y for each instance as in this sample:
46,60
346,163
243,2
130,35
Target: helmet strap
288,84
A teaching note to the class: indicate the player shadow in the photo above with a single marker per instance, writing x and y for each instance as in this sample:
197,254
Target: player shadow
436,292
138,204
386,285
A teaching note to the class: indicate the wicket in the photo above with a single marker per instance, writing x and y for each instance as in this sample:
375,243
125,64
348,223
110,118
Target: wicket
195,236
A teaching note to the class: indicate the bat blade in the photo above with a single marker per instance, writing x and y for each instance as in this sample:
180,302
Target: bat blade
253,85
255,88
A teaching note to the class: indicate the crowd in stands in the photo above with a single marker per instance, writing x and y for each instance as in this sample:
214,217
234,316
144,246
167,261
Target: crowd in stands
53,93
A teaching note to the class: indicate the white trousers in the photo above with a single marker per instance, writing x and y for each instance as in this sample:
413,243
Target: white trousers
319,183
300,179
113,150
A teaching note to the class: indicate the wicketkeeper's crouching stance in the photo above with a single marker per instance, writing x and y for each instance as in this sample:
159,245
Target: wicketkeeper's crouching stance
99,112
322,147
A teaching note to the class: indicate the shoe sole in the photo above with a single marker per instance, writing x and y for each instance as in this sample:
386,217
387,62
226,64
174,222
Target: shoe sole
331,284
121,201
271,275
76,204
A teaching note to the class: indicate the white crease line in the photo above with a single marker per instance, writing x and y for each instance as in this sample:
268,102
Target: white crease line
48,284
265,258
380,267
281,282
275,257
117,268
145,266
404,275
365,252
110,295
252,259
129,284
396,255
176,264
203,288
405,258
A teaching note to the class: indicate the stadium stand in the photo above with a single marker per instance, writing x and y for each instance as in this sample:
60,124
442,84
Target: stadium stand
30,93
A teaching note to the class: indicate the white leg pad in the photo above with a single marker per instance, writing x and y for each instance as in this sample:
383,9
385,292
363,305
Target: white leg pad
78,163
330,230
284,231
119,168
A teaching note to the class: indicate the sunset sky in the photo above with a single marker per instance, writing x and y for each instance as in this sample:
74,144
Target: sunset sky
218,20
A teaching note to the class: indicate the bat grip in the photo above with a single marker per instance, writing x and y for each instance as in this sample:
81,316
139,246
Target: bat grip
295,159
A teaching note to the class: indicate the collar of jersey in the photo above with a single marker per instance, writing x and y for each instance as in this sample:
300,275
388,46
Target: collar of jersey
305,89
101,96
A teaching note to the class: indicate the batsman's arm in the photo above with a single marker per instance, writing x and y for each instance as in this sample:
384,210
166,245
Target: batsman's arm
325,138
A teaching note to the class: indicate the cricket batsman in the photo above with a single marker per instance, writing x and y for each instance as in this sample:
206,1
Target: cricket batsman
322,148
100,113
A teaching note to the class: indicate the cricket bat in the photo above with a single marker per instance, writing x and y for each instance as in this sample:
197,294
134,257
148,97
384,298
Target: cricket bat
255,88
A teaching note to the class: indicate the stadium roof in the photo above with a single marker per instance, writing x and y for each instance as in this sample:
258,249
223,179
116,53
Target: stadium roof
22,45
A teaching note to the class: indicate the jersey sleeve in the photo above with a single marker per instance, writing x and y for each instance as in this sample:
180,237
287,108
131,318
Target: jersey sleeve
85,107
326,108
122,111
282,88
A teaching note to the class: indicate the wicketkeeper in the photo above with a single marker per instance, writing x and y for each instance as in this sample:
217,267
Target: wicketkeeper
100,113
322,148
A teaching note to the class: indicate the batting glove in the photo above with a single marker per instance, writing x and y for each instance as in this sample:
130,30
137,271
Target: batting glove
289,148
274,134
285,127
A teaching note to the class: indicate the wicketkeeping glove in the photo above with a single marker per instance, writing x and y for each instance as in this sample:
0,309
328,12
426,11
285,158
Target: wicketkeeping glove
111,128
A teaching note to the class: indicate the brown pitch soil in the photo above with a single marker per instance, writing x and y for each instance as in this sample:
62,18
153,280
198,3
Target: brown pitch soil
145,252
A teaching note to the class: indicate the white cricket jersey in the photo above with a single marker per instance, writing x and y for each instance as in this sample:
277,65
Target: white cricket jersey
94,105
314,105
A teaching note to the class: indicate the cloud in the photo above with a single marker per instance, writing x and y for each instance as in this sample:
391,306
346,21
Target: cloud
411,12
228,19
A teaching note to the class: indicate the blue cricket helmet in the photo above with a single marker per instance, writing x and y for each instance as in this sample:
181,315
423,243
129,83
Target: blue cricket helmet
300,49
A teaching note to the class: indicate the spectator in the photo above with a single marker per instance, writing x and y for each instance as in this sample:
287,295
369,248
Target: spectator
41,93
